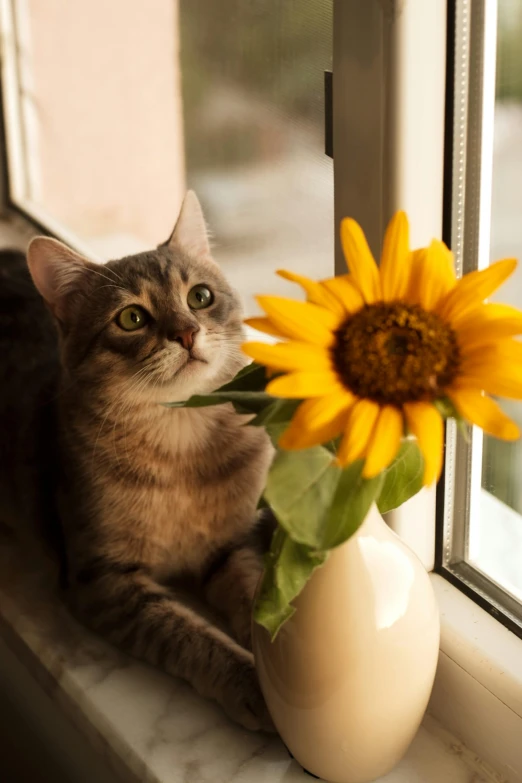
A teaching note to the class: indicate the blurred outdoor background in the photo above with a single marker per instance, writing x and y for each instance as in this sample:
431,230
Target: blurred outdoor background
252,83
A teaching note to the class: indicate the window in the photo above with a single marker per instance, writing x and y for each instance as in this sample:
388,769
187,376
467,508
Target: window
108,123
482,545
112,109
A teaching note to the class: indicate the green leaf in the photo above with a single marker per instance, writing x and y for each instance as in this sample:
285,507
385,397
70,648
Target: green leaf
403,478
289,566
275,418
245,392
350,505
243,401
249,378
280,412
275,431
446,408
318,506
300,488
448,411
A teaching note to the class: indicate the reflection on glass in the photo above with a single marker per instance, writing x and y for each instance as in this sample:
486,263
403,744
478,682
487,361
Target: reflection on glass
496,535
253,108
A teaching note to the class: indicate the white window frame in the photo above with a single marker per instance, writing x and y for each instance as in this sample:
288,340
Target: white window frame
389,155
477,694
476,27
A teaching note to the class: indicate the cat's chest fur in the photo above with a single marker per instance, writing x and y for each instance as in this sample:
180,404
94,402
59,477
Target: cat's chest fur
186,483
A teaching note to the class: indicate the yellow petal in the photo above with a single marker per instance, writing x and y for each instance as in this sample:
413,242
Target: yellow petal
320,409
316,421
505,353
394,259
495,368
485,413
358,431
432,275
315,292
494,378
425,422
360,261
300,320
263,325
415,263
301,385
446,264
289,356
473,288
346,291
385,441
488,322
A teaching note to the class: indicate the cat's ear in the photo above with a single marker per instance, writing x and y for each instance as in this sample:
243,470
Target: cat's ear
58,273
190,232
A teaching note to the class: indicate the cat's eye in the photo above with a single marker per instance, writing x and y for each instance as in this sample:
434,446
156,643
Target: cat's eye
132,318
199,297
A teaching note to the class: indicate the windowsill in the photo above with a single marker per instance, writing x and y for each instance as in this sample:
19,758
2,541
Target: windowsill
144,725
478,688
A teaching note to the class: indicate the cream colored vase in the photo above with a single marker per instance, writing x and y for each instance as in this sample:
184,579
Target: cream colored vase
348,677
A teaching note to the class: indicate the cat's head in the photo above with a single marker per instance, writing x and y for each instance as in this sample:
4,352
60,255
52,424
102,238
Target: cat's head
158,326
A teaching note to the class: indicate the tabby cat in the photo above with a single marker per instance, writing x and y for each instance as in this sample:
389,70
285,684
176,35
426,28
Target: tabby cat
148,498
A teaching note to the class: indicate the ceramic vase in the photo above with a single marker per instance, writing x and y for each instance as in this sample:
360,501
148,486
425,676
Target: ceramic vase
348,677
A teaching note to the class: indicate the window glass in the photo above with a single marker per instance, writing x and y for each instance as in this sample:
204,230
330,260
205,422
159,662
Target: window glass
496,530
253,102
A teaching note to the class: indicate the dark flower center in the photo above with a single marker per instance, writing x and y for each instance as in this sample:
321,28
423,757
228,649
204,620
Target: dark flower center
394,353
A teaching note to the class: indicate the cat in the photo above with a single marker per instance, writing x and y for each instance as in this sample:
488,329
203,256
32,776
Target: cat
148,498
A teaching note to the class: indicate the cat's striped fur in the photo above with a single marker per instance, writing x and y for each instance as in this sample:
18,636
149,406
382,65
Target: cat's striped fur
154,500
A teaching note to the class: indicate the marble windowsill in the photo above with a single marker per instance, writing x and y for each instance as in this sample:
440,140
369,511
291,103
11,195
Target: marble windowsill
150,728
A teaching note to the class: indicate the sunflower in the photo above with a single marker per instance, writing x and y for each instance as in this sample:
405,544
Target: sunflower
385,351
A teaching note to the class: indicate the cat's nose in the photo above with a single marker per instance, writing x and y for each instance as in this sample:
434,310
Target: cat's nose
185,337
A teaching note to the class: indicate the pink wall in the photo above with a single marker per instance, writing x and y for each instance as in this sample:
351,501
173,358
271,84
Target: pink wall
105,127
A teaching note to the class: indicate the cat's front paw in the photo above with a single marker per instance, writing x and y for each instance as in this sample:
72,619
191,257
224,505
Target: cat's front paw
243,700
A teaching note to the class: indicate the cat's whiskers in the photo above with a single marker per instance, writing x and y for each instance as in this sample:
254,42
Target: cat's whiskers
114,285
112,272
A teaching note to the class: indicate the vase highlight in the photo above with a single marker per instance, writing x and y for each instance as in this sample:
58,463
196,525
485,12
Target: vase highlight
348,677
